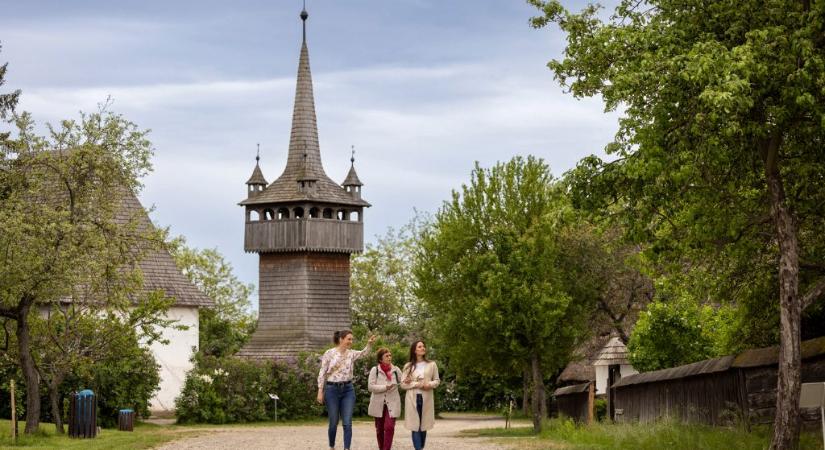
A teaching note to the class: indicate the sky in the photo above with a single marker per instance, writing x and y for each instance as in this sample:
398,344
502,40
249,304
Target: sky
422,88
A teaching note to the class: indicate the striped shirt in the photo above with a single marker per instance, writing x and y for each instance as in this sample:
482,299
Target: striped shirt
337,367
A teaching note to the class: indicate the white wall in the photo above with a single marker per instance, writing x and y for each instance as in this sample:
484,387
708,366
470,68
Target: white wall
601,380
625,370
173,358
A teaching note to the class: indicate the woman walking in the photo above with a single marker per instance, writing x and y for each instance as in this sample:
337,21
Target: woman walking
335,384
419,378
385,402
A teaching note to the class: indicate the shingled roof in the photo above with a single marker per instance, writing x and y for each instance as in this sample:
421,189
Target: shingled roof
614,352
257,175
303,143
160,273
352,177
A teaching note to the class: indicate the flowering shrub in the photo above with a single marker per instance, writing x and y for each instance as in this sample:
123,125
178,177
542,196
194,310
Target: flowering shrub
232,390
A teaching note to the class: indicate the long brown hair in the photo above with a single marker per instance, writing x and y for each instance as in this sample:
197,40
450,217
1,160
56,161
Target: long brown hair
408,368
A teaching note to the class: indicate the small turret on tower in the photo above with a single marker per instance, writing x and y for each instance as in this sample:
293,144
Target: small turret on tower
352,184
256,183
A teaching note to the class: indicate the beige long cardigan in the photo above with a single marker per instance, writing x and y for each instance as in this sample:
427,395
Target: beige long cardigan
428,407
379,396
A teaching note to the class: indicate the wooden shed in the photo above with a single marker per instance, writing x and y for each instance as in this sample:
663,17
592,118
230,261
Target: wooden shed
576,401
734,388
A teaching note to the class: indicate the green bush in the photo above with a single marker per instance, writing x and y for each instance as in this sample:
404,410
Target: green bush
127,378
600,407
234,390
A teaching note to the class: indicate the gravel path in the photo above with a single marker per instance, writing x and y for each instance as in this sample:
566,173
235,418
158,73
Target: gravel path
445,436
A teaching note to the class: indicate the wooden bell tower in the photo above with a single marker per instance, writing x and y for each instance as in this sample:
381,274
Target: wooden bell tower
304,226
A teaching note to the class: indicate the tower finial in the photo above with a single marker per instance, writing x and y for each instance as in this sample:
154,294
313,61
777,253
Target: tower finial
352,158
304,16
258,154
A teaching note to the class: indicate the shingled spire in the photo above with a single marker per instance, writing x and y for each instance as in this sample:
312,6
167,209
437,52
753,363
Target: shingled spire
304,136
304,154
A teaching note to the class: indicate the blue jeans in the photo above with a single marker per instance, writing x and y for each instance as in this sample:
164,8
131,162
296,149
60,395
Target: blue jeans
419,437
340,400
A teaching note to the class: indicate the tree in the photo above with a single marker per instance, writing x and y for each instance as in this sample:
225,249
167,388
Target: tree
676,332
7,101
503,269
382,287
62,228
624,288
224,328
82,338
719,155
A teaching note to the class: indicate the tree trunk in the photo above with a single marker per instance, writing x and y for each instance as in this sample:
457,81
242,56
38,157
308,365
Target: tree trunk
787,421
54,400
30,375
527,392
539,407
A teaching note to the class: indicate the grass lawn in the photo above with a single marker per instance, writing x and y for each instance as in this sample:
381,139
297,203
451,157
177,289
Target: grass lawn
144,436
564,434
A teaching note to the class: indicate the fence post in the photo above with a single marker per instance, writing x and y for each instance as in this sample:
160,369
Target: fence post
13,412
591,402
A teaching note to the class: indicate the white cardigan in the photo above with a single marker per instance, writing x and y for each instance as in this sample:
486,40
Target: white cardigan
379,395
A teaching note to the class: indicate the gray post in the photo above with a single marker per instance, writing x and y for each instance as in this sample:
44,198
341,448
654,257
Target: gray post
275,398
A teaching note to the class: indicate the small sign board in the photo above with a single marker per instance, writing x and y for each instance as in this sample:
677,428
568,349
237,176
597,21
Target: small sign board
813,396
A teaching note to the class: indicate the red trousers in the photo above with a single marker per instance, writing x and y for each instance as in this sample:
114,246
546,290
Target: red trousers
384,430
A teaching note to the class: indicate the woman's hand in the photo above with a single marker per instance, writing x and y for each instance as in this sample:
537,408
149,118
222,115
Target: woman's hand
372,339
320,398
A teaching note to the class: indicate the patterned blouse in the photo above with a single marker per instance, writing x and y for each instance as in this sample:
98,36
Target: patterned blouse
337,367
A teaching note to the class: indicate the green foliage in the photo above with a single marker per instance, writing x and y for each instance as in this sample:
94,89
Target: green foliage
7,101
718,164
703,104
226,327
234,390
600,407
382,286
491,268
505,272
127,377
677,332
65,234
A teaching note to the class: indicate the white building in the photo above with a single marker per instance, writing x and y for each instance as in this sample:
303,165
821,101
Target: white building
611,365
161,273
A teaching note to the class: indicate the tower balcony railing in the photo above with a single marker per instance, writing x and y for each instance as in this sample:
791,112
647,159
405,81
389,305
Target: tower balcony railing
322,235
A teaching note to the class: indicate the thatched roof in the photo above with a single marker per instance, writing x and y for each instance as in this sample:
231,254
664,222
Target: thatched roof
581,368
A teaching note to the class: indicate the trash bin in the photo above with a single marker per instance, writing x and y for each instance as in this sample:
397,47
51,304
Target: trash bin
82,414
126,420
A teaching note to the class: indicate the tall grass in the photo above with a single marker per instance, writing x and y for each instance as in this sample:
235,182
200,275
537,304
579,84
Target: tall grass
564,433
